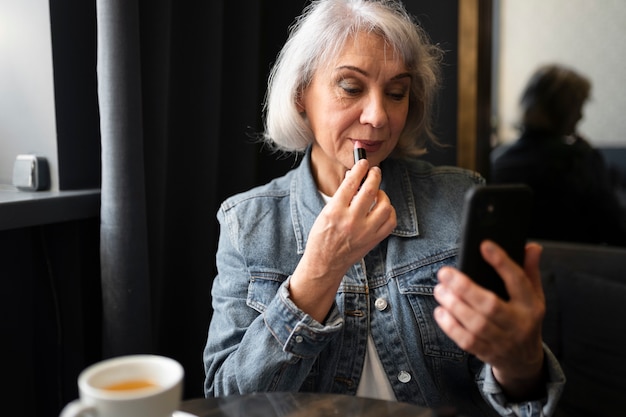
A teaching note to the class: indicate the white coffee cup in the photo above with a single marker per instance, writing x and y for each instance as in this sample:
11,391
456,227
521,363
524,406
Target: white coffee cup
128,386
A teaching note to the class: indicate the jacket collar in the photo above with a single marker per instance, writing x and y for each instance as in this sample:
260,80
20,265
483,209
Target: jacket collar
397,184
306,201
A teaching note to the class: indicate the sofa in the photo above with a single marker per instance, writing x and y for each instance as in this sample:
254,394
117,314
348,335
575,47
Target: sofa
585,325
615,158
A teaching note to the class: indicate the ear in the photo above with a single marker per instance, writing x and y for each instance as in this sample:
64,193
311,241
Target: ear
301,93
299,103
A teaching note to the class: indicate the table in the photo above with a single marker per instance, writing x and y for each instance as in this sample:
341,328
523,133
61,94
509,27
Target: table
282,404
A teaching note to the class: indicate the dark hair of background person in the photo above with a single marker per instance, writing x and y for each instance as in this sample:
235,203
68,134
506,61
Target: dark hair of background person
553,100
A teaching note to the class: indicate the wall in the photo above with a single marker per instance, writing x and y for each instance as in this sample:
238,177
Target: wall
588,36
27,116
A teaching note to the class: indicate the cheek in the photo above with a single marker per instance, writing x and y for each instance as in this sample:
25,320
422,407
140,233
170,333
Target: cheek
328,124
398,121
337,120
330,118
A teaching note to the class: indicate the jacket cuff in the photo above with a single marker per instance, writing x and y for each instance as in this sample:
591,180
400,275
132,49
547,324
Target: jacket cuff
296,331
494,395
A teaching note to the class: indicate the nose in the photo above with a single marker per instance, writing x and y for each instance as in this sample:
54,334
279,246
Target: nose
374,112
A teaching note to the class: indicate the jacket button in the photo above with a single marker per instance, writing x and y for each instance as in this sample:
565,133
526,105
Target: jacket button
299,339
404,377
380,304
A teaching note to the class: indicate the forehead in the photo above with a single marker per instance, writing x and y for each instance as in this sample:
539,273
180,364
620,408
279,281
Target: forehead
368,48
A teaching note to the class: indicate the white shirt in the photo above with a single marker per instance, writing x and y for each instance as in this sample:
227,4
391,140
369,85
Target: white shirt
374,382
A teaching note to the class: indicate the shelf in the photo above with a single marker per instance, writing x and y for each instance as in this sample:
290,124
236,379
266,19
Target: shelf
24,208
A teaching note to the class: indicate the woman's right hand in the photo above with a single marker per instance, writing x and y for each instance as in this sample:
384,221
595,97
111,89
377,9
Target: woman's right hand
355,220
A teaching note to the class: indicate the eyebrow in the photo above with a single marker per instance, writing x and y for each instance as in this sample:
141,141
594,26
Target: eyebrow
361,71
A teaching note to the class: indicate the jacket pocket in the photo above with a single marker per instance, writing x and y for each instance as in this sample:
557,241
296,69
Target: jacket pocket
262,288
418,286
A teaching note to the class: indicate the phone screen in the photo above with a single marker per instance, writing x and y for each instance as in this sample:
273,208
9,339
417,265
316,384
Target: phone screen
500,213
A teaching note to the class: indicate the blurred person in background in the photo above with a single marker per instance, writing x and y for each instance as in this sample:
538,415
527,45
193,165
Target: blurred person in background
574,199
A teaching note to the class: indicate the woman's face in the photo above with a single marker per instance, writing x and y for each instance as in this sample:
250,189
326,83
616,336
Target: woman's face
363,96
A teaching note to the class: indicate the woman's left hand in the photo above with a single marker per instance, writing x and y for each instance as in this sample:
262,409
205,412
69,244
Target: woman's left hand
505,334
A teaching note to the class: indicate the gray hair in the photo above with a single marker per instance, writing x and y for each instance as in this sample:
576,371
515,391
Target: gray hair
318,36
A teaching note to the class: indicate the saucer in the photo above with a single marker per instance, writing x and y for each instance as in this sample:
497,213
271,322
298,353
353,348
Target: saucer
179,413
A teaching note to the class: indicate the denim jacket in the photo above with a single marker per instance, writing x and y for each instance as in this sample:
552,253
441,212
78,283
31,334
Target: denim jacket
260,341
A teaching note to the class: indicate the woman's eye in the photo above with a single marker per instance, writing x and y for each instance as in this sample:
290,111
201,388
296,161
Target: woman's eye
350,88
398,95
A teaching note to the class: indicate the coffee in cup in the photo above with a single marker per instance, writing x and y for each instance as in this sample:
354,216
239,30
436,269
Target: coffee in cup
128,386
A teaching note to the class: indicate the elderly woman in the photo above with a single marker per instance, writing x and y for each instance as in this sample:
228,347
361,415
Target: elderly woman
338,276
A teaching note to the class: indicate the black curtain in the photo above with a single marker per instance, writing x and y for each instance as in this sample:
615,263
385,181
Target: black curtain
180,88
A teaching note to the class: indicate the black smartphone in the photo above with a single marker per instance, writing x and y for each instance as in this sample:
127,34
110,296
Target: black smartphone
500,213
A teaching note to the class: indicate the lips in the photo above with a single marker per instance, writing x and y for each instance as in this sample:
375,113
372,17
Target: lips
370,146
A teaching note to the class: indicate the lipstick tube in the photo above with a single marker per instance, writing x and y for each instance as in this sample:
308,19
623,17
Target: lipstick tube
359,153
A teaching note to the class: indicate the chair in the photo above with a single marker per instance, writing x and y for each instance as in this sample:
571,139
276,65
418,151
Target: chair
585,325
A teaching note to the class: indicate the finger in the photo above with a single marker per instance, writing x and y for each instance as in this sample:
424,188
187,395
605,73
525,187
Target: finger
531,266
465,339
471,305
367,195
479,298
515,281
383,214
351,183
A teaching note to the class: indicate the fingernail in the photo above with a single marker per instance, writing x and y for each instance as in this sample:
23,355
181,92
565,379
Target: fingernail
444,275
440,290
489,247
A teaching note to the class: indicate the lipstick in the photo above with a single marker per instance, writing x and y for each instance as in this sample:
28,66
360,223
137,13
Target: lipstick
359,152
